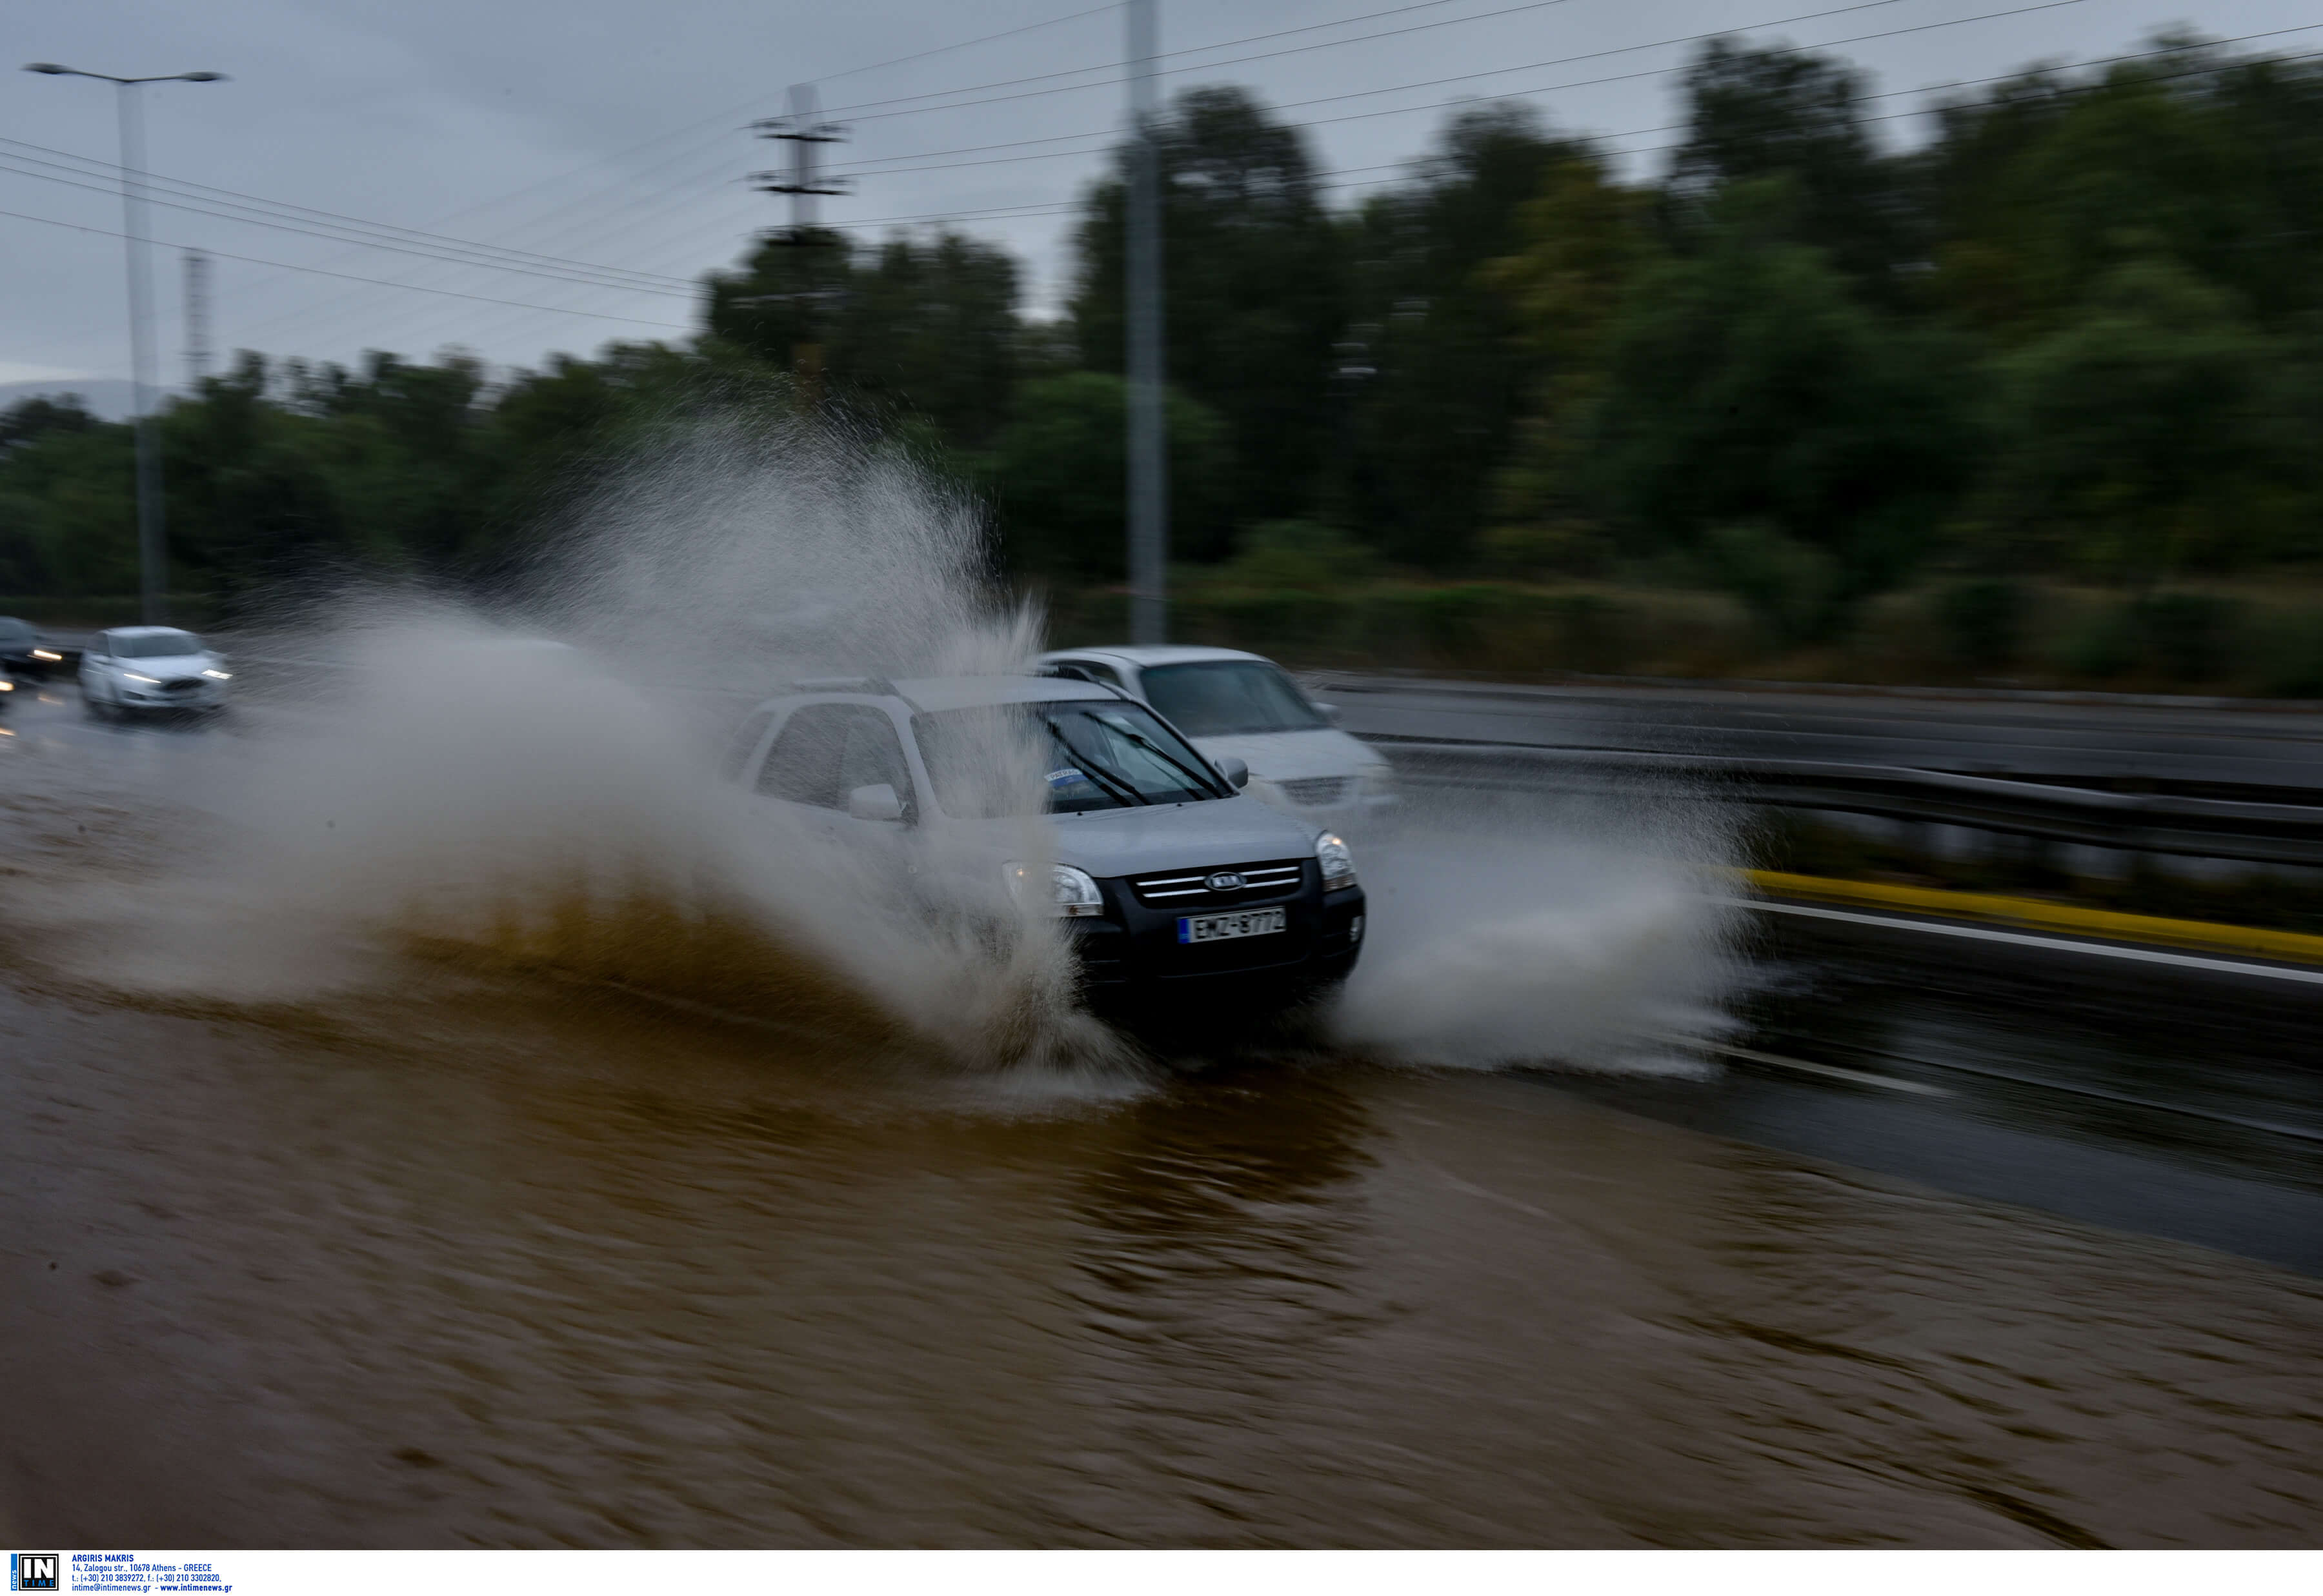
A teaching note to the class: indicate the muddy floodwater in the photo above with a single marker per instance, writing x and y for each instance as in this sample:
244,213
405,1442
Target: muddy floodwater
486,1255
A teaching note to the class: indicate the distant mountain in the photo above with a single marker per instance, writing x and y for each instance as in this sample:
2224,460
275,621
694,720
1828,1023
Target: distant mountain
108,397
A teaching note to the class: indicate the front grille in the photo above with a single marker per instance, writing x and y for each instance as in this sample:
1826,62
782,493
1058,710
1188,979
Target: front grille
1315,790
182,685
1190,889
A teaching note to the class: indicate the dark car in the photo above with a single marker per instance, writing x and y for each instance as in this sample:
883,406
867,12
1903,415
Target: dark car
24,653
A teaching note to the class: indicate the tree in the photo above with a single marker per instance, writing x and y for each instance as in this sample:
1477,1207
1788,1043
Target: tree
1252,282
1584,240
1448,376
1752,115
2138,438
1061,479
908,328
1746,385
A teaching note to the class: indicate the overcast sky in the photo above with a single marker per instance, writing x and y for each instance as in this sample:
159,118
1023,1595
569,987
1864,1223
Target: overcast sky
606,137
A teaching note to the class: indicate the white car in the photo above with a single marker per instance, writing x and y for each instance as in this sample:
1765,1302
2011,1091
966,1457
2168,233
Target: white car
1244,706
150,667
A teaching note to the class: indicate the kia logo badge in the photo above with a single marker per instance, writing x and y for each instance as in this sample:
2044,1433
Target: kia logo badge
1226,881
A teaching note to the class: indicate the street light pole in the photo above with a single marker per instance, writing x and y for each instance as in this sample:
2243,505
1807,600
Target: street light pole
152,542
1149,443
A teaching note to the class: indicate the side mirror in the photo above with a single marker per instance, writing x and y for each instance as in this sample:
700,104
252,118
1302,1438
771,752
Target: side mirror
1236,771
876,802
1329,712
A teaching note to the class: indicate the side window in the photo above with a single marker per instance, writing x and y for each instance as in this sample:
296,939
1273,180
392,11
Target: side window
873,756
826,751
802,767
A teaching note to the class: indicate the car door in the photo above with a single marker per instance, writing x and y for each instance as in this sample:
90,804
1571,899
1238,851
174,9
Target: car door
827,751
93,661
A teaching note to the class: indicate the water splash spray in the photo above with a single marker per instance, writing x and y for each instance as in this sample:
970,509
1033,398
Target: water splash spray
470,788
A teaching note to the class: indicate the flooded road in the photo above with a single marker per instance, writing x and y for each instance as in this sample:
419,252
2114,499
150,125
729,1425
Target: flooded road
485,1255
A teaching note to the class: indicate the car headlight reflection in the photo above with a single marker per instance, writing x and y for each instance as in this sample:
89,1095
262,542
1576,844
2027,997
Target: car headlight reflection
1071,893
1337,859
149,680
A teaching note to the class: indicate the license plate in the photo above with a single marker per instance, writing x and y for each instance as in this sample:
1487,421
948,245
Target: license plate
1225,928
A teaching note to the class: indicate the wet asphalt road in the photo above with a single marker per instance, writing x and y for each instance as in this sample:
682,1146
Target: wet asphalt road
1957,1246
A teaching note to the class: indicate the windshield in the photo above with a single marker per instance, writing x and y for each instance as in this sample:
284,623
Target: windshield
14,631
1222,698
156,646
1088,756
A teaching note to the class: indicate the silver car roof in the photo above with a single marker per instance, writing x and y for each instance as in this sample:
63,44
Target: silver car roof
961,693
1155,654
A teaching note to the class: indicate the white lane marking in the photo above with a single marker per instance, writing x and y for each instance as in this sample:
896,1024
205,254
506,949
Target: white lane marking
2053,944
1892,1082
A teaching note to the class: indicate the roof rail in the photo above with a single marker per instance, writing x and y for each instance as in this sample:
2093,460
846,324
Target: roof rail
879,684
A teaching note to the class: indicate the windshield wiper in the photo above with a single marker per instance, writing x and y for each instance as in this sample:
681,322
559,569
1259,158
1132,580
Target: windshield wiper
1110,780
1201,784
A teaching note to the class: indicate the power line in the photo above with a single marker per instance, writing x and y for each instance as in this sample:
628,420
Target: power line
858,110
1562,61
987,38
1211,49
241,200
375,282
607,277
1555,89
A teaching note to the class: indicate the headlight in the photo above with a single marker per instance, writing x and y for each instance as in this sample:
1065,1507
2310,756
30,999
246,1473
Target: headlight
7,685
219,675
133,676
44,654
1072,893
1337,859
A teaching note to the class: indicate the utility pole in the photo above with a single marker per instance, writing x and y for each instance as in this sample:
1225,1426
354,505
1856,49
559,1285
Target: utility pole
805,132
1148,442
152,547
197,319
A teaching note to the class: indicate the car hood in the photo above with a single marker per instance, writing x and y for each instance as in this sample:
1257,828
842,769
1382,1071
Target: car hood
1238,830
175,665
1288,756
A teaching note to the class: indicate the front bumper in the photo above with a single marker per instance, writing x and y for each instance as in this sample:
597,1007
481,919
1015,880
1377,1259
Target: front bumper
1132,950
132,696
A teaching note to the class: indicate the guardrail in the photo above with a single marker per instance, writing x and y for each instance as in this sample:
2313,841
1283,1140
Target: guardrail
2270,833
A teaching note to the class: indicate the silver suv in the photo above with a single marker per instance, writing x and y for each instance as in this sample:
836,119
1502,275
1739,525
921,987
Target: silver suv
1167,877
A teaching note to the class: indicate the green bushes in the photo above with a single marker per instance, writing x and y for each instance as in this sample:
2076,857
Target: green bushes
1960,632
1983,621
2181,637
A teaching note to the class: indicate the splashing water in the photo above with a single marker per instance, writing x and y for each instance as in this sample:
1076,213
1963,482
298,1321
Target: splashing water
1581,935
471,791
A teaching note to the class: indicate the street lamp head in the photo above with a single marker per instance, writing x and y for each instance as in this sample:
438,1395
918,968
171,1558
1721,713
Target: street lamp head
50,67
201,78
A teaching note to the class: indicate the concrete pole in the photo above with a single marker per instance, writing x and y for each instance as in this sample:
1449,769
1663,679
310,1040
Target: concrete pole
1149,443
152,547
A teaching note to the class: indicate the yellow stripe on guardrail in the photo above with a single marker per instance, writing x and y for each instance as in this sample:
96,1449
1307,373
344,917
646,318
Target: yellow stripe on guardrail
2033,913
